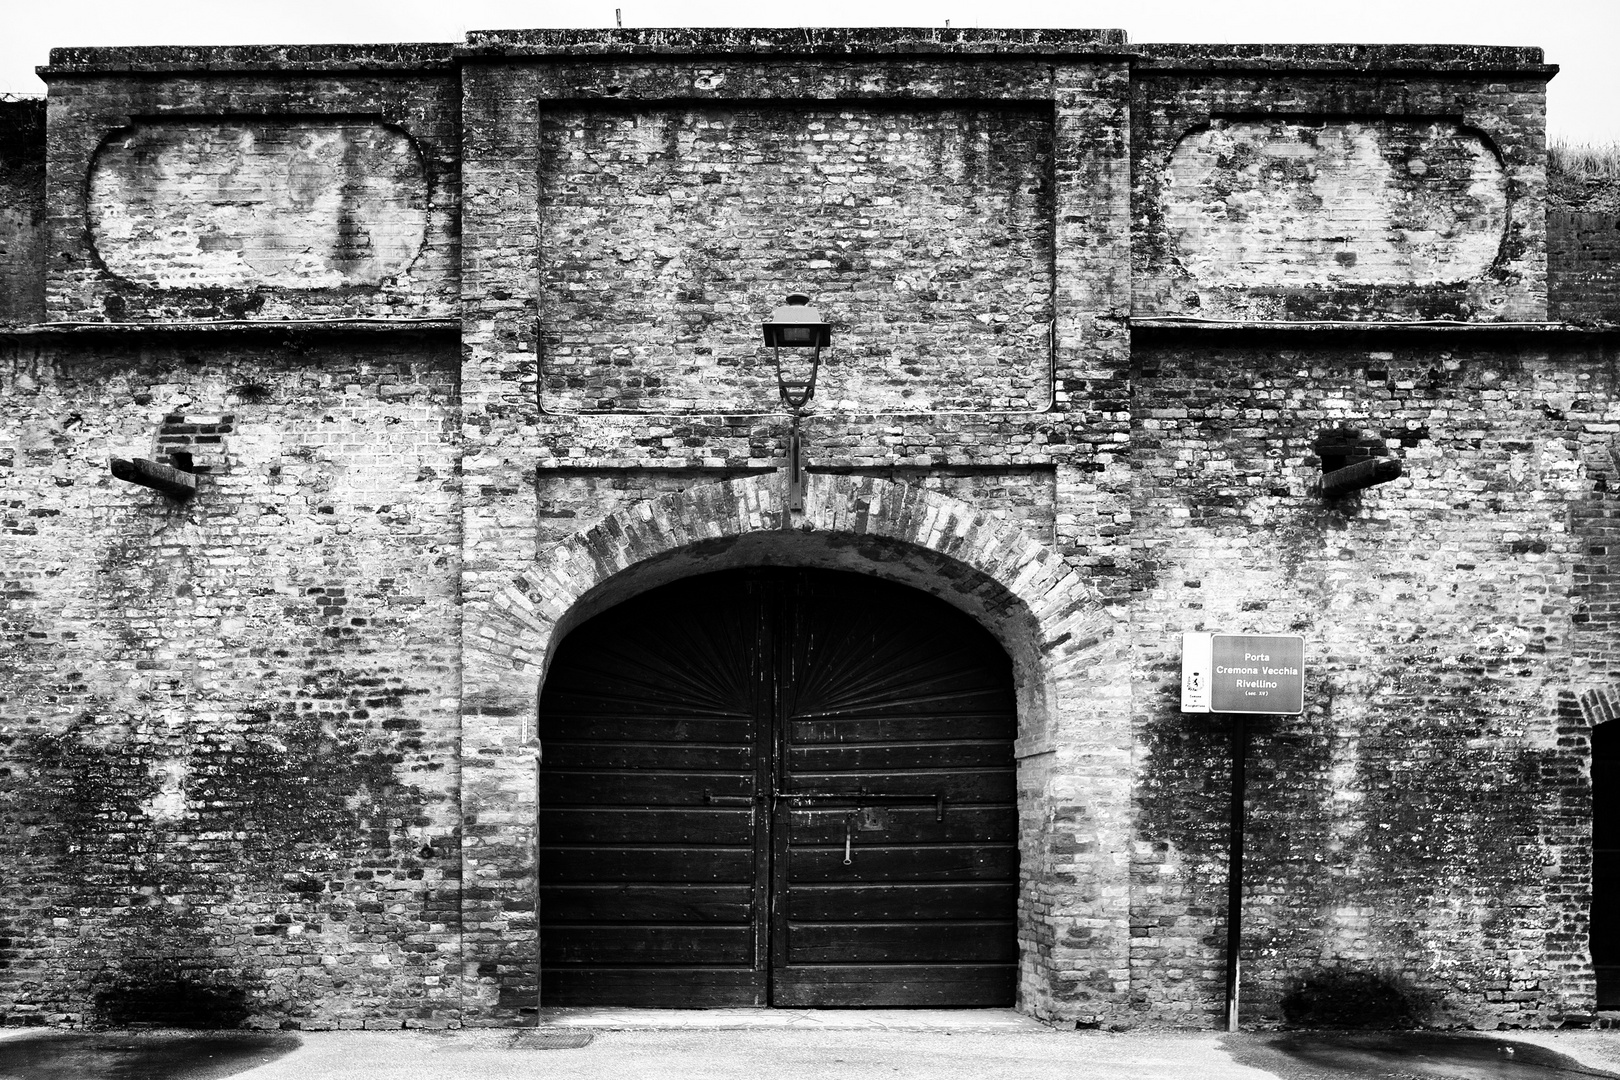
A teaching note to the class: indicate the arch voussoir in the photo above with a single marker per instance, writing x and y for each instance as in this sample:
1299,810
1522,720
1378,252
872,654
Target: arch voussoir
1600,705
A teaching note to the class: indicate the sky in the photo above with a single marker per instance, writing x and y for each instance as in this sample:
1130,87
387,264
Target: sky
1581,36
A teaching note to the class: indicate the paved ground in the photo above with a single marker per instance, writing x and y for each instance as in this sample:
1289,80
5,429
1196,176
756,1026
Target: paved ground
786,1045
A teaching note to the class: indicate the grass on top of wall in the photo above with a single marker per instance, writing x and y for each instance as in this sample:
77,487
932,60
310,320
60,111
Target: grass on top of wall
1584,159
1584,177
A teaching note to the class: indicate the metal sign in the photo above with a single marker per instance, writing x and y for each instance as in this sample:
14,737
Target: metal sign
1243,673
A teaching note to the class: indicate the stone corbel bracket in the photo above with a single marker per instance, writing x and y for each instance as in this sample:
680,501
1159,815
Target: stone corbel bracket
173,482
1353,460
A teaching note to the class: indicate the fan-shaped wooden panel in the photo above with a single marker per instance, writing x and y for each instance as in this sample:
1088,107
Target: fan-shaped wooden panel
778,785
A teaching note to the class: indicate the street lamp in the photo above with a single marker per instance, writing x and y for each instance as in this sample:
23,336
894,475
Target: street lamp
798,328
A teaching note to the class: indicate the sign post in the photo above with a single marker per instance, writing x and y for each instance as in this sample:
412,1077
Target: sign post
1234,870
1241,674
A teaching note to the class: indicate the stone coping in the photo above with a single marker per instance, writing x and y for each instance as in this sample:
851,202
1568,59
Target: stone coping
1147,326
826,42
131,59
793,41
229,326
1451,59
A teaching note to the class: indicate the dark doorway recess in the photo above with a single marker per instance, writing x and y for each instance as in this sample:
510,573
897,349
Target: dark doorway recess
786,787
1606,863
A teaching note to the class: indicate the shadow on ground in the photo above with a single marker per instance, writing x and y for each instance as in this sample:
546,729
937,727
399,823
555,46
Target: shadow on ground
1401,1055
140,1055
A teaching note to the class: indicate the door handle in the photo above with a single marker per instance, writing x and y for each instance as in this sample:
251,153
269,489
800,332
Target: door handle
712,799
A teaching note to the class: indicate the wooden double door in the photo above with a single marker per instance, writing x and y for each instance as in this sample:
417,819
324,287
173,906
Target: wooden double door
785,787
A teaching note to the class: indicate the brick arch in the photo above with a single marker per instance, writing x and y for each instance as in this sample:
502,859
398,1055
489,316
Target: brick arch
1070,668
1600,705
688,532
1593,977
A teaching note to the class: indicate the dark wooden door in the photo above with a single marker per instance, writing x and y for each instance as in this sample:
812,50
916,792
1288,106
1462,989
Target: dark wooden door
778,786
1605,924
895,849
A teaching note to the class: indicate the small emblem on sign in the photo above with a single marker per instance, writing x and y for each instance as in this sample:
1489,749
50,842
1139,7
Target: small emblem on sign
1196,653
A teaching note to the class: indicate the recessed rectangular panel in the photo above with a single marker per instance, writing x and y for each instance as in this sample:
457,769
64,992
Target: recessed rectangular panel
923,234
1324,202
267,202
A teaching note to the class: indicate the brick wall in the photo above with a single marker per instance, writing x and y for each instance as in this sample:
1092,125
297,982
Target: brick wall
304,204
923,234
22,211
992,451
1417,839
270,752
228,727
1583,266
270,187
1258,195
1270,203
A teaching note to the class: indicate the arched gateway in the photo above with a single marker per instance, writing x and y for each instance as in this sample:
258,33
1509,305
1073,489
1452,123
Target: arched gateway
1048,788
778,786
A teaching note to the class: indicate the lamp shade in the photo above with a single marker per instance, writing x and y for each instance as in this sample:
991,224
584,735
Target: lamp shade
797,325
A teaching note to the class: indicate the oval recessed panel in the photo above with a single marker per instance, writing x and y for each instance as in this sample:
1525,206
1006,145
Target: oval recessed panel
291,204
1372,202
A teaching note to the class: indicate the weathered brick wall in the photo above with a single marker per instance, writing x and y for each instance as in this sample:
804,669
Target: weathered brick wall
1334,202
923,235
300,204
1583,267
1418,839
271,753
1263,195
278,185
229,726
22,211
1595,519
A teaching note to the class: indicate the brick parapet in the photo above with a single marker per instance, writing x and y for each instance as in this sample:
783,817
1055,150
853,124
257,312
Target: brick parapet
167,59
1478,62
909,43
